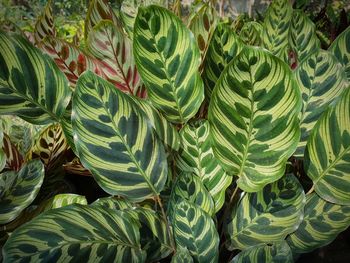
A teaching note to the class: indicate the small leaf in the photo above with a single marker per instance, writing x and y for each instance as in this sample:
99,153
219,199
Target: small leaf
14,159
113,203
252,33
44,25
181,256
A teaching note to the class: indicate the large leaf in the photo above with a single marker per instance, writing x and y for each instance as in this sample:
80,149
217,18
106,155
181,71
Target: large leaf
108,43
327,154
322,222
278,252
14,159
268,215
76,233
115,141
252,33
196,156
321,79
18,190
168,58
224,46
253,118
195,230
31,85
44,25
341,49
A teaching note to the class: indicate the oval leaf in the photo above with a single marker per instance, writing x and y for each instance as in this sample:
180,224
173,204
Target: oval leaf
113,203
14,159
251,33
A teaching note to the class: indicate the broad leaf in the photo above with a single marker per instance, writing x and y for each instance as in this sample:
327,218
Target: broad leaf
224,46
168,58
253,118
195,230
44,25
322,222
113,203
268,215
278,252
115,141
252,34
62,200
341,49
14,159
196,156
18,190
31,85
321,79
327,154
78,233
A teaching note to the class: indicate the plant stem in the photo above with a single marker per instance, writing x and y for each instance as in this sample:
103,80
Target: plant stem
311,190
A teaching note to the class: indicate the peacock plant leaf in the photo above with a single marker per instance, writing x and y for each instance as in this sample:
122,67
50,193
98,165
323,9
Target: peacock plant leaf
168,58
3,157
321,79
76,233
277,252
112,202
276,27
182,255
62,200
196,156
341,49
19,189
252,34
268,215
75,167
322,222
195,231
44,25
253,116
327,154
115,141
223,47
14,159
31,85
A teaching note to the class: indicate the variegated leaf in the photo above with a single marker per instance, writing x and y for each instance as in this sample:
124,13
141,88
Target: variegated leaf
224,46
115,141
195,230
75,167
168,58
19,189
44,25
321,79
62,200
114,203
268,215
252,34
2,153
322,222
181,256
31,85
196,156
14,159
76,233
253,118
327,154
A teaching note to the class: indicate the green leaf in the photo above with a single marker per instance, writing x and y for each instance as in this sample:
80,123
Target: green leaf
302,35
268,215
224,46
322,222
115,141
196,156
44,25
195,230
112,202
62,200
278,252
181,256
252,34
341,49
276,27
168,58
327,154
14,159
108,43
253,118
321,79
31,85
76,233
3,157
18,190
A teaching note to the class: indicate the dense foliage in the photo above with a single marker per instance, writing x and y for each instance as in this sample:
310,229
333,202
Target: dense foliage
210,139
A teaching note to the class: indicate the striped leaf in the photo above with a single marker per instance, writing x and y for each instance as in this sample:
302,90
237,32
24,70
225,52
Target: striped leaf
181,256
327,154
322,222
114,203
115,141
252,34
14,159
168,58
196,156
268,215
69,58
114,50
341,49
321,79
195,230
62,200
75,167
253,118
189,187
18,190
302,35
278,252
44,25
224,46
276,27
76,233
2,153
31,85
